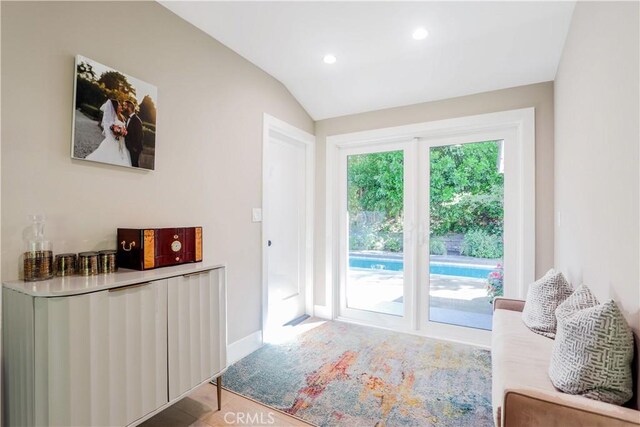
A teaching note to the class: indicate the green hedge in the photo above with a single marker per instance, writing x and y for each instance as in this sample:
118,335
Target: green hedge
437,246
469,212
480,244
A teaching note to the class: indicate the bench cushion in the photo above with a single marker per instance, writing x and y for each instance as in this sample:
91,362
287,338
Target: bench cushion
519,358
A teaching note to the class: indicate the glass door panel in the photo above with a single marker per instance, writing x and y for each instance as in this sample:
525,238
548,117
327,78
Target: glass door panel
466,209
375,211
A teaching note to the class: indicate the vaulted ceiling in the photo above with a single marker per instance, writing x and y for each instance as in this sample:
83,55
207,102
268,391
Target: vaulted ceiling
472,47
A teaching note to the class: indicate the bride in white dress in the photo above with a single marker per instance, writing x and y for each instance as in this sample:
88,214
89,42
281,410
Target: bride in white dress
111,149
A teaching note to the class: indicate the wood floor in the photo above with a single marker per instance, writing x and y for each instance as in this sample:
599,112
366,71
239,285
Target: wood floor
200,409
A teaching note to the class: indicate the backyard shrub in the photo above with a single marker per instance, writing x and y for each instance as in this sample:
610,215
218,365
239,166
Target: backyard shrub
470,211
480,244
437,246
373,231
495,283
363,234
393,242
362,241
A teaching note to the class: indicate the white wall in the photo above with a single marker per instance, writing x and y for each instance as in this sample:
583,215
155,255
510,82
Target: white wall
538,95
209,144
596,154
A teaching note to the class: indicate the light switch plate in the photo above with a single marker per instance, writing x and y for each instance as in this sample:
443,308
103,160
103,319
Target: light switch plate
256,215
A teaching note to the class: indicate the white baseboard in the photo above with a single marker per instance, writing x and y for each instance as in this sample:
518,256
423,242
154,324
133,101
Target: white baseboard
322,311
244,347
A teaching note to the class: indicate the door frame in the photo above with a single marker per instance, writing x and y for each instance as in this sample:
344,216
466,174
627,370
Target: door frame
308,141
520,123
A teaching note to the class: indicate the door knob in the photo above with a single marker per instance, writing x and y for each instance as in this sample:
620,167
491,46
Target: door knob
268,242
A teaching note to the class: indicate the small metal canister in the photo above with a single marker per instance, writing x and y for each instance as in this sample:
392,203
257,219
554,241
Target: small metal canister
65,265
108,262
38,265
88,263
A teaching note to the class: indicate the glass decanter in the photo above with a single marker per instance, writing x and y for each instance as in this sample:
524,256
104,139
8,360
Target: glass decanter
38,254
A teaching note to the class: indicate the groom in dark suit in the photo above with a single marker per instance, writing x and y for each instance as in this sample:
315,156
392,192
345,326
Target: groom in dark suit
133,139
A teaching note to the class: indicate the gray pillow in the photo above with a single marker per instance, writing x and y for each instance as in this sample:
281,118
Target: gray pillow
543,297
580,299
592,354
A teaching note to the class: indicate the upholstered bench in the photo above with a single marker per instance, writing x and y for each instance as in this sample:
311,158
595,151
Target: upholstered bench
522,392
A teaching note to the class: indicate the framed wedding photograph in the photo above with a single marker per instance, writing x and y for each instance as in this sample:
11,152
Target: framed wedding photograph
114,117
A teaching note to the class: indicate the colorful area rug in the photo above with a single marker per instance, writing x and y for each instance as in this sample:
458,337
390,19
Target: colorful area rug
340,374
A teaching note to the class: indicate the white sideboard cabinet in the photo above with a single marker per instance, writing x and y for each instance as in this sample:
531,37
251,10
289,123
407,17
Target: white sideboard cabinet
111,349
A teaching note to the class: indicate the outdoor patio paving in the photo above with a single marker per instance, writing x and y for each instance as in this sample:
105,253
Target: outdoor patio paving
454,300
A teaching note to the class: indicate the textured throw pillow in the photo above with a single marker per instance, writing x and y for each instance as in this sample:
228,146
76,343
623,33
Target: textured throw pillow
543,298
580,299
592,354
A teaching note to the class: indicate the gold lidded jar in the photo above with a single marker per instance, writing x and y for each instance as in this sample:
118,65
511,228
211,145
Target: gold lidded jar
38,255
107,261
88,263
65,265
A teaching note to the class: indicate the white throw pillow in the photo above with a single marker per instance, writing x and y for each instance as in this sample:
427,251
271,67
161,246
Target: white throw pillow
543,297
592,354
580,299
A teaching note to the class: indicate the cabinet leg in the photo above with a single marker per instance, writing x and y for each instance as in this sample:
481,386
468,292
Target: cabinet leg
219,391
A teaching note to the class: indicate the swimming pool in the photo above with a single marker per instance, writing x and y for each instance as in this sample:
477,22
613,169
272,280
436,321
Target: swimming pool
434,267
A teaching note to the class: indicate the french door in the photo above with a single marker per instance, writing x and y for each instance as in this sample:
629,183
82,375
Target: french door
468,209
431,228
377,280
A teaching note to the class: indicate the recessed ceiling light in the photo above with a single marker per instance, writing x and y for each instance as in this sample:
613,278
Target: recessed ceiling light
420,33
329,59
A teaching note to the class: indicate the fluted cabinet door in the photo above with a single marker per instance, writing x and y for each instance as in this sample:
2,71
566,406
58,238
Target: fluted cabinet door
197,329
101,358
17,359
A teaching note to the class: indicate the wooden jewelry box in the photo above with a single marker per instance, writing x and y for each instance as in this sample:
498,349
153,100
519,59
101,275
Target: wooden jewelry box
148,248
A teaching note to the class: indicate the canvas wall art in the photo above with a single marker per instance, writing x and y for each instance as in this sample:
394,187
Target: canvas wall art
114,117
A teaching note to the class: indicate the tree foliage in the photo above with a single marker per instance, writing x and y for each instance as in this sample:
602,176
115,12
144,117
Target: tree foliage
147,110
467,189
466,194
117,82
375,200
376,182
86,72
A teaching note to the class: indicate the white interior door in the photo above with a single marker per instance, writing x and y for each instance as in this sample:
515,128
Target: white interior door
286,227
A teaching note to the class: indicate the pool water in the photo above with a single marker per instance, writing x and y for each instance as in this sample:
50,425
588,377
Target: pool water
434,267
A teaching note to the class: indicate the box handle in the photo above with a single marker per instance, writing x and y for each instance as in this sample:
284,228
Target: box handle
131,245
